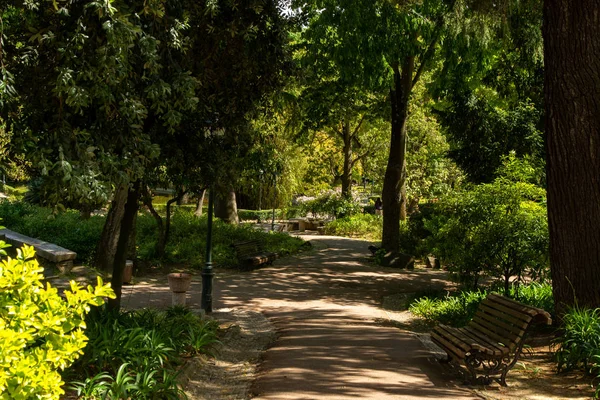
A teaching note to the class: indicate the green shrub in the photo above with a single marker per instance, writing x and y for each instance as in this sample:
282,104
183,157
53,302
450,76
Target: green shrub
136,354
254,215
40,333
361,225
66,229
454,310
579,342
187,244
331,205
498,230
458,309
535,294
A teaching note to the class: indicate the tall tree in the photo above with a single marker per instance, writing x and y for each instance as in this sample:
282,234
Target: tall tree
390,42
90,91
572,99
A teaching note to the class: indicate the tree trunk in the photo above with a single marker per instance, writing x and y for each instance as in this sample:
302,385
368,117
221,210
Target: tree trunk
226,207
129,214
162,241
394,182
347,172
572,100
200,203
107,245
184,197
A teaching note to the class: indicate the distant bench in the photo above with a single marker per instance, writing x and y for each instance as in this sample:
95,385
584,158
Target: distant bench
61,257
251,254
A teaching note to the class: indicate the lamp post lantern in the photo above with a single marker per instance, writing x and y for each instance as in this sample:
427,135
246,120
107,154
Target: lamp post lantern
207,271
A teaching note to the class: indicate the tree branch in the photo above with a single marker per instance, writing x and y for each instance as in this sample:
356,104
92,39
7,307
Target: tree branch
430,49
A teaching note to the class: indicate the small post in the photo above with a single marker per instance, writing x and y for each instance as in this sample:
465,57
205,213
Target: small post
207,271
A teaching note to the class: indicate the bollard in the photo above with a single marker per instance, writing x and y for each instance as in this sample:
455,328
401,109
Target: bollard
179,283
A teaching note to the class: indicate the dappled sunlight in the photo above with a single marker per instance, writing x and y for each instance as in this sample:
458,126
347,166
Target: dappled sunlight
326,306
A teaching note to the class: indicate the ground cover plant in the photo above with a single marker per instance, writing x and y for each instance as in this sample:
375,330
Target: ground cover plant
365,226
188,237
186,245
41,333
578,345
137,354
456,309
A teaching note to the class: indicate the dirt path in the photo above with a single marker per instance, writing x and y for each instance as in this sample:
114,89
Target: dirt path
325,306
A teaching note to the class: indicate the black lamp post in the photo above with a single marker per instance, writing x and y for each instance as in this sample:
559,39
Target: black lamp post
274,201
207,271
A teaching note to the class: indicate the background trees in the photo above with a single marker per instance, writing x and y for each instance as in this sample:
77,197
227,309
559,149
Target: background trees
91,91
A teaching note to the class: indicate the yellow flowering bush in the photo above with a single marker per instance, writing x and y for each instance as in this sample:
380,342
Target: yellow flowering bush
40,332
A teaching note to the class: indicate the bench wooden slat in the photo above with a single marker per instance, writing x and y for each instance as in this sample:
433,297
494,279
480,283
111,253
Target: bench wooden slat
250,252
504,339
498,348
447,345
470,343
532,311
498,326
519,323
502,308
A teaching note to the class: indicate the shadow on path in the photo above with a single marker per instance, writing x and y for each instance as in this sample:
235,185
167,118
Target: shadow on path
324,304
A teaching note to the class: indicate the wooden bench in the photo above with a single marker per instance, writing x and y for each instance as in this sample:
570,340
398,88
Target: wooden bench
61,257
492,342
251,254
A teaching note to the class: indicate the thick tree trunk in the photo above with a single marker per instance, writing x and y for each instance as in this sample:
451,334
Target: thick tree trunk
347,172
199,203
394,183
107,245
129,214
572,100
226,207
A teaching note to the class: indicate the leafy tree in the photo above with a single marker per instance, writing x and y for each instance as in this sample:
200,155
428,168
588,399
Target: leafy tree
490,89
431,173
92,90
380,42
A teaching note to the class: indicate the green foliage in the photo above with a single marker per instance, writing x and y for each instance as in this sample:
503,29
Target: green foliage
188,234
490,89
458,309
331,205
135,354
451,310
498,229
40,333
254,215
579,342
188,239
535,294
65,229
365,226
